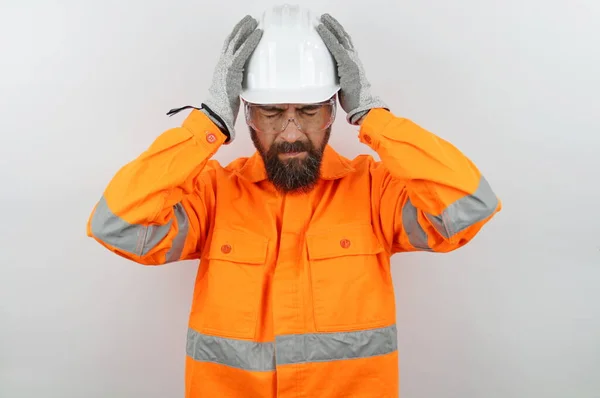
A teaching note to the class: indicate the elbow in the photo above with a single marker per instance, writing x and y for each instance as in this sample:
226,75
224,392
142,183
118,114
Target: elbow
145,244
132,241
463,219
111,230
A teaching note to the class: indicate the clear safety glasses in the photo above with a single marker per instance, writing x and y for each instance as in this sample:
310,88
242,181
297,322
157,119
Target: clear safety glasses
308,118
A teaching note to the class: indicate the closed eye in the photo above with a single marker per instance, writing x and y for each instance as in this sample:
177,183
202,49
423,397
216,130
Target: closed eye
271,112
310,110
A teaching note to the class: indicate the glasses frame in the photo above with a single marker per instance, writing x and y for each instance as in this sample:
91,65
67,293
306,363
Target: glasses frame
332,101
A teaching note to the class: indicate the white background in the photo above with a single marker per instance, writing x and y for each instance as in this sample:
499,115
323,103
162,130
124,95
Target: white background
84,88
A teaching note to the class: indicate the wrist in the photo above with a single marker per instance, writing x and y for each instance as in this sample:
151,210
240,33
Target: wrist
217,120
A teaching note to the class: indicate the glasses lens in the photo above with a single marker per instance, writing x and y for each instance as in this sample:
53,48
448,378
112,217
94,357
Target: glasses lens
273,119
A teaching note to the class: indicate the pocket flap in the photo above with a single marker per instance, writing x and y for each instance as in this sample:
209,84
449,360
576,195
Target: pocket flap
238,246
343,240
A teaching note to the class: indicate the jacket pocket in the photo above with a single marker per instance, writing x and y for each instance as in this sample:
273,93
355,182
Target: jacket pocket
229,286
351,284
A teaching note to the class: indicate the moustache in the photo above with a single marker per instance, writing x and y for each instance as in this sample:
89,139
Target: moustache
289,147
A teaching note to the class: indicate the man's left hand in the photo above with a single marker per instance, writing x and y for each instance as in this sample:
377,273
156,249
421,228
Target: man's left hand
355,95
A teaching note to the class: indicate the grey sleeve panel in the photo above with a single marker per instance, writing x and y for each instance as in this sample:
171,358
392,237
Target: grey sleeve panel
455,218
183,226
466,211
138,239
415,232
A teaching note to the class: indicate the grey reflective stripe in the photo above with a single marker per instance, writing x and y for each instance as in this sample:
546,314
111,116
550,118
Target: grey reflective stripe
183,224
319,347
241,354
466,211
416,234
133,238
291,349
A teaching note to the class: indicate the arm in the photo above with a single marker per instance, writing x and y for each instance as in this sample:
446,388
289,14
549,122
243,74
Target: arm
157,209
430,196
426,193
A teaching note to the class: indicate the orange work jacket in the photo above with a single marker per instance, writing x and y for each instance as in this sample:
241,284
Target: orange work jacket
294,295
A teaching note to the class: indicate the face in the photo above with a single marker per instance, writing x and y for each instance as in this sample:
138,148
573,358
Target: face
291,140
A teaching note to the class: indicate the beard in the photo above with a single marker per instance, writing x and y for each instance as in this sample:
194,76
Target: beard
292,175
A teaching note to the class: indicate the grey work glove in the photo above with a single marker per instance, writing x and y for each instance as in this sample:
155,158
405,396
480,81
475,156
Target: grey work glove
355,90
223,102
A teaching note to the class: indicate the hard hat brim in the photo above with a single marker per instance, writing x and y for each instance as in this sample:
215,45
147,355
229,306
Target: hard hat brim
295,96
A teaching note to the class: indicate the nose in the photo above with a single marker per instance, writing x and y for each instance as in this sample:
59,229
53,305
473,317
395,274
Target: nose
291,131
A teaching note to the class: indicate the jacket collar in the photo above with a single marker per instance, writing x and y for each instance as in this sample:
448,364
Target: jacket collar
333,166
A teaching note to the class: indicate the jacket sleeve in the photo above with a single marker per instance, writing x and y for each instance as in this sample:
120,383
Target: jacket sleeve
427,194
156,209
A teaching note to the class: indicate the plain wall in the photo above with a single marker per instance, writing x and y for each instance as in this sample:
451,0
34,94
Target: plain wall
84,88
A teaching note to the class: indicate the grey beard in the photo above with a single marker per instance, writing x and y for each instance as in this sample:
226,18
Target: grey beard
293,175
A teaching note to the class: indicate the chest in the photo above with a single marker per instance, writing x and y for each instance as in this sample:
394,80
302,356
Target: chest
255,224
260,209
298,257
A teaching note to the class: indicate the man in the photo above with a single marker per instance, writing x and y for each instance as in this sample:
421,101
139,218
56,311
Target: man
294,296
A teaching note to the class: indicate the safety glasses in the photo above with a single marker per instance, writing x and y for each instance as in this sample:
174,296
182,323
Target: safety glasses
274,119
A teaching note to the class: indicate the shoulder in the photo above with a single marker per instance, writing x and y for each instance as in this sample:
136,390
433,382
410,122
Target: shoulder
368,166
248,167
237,164
214,166
365,163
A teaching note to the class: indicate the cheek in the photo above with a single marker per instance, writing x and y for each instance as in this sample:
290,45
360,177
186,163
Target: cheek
265,141
317,140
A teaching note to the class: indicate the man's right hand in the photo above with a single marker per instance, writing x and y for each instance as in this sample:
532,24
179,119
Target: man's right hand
223,101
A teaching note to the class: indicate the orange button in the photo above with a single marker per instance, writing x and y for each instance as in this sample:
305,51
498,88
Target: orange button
210,137
345,243
226,249
367,139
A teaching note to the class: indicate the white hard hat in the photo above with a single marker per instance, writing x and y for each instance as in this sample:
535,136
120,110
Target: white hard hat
291,63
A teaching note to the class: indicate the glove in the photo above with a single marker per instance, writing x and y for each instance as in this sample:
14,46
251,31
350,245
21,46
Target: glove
355,95
223,102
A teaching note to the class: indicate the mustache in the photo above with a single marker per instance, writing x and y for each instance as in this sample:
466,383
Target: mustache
289,147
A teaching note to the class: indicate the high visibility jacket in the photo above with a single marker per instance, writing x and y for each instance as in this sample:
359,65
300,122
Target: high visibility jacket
294,295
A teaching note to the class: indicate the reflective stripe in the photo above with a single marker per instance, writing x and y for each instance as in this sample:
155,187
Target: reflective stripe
183,224
319,347
416,234
241,354
134,238
296,348
466,211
